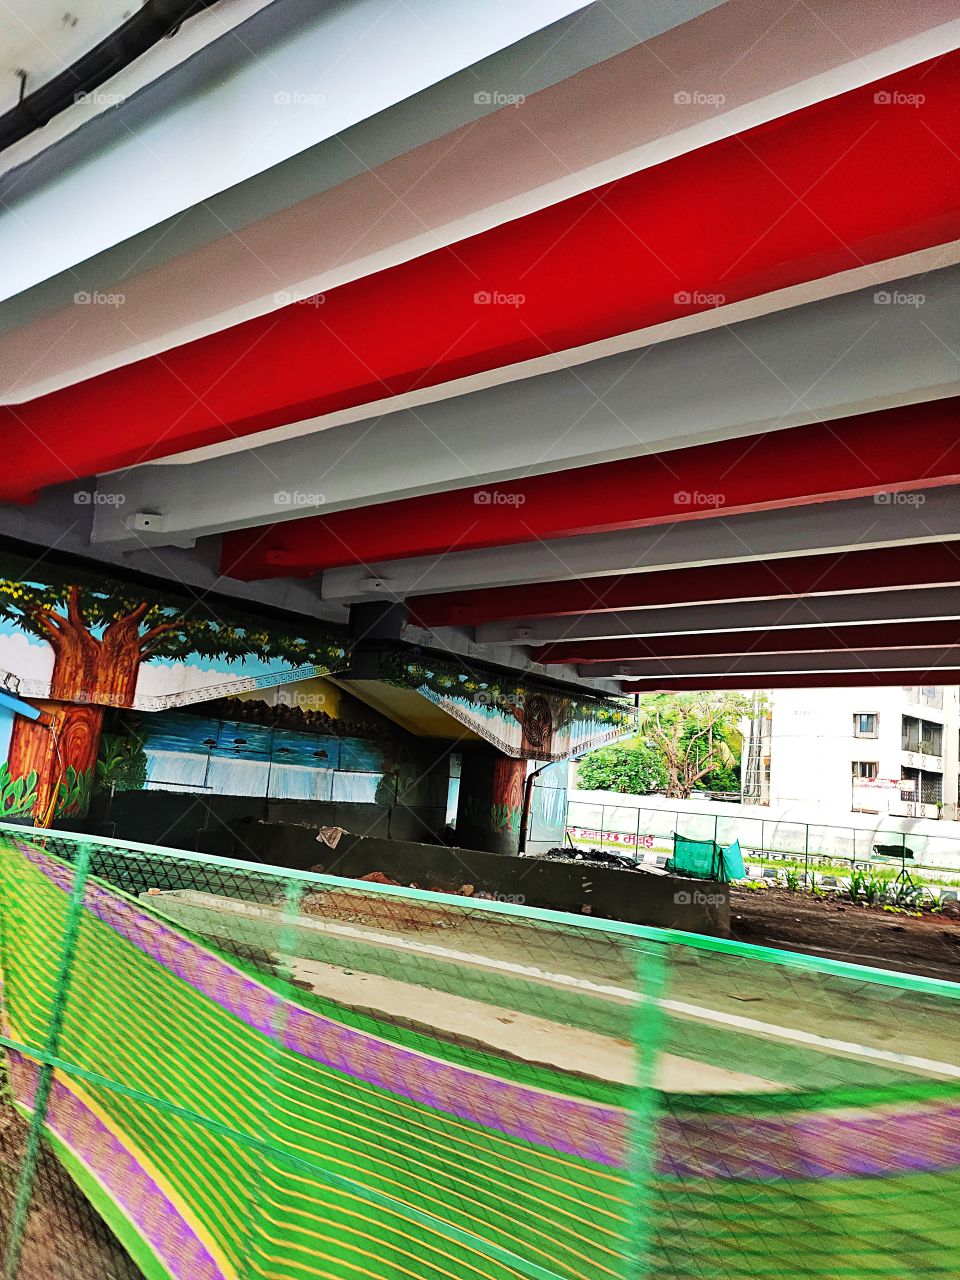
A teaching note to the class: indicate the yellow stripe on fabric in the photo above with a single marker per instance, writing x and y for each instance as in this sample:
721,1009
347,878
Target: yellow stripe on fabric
217,1030
147,1164
289,1175
466,1199
189,1009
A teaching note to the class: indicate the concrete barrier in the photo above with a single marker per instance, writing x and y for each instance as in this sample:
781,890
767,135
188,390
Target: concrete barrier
637,897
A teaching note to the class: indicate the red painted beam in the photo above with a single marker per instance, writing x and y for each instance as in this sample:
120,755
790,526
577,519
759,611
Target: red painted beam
829,639
799,198
847,458
825,680
933,564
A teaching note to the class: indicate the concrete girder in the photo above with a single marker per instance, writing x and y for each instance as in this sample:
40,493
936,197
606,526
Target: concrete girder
857,523
853,663
168,161
595,126
823,361
922,604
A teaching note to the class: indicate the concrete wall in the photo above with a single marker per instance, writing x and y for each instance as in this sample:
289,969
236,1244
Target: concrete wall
185,820
673,902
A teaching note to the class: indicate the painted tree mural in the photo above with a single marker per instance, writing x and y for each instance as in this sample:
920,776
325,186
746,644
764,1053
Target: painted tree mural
101,636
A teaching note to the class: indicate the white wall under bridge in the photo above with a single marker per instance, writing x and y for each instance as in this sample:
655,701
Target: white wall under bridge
787,829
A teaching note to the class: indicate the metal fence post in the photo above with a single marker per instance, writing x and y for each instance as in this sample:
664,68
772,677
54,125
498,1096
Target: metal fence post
806,853
41,1097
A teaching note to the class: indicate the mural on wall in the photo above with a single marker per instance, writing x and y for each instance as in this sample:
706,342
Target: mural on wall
310,742
82,646
526,721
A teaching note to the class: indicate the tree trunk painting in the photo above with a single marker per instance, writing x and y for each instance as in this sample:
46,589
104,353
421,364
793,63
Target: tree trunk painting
88,674
62,751
101,634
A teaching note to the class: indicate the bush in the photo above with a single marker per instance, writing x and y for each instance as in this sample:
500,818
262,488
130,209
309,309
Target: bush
635,770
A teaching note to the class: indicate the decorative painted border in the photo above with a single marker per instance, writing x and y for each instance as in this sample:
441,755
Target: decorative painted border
187,697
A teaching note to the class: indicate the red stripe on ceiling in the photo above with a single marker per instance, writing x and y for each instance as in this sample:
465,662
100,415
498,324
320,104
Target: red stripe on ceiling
806,680
842,459
908,566
847,181
832,639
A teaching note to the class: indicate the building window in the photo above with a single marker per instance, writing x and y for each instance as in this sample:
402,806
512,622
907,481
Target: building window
931,788
921,785
924,736
865,724
931,738
866,769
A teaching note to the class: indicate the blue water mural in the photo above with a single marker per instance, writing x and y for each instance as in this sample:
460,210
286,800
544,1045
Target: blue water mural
548,804
237,758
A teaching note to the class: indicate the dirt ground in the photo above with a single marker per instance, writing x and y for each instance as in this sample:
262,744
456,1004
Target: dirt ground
64,1239
926,944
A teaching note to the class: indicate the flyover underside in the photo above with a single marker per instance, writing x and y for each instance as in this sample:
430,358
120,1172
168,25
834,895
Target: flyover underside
612,357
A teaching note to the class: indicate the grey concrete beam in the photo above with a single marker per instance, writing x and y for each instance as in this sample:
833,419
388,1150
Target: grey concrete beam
769,663
931,604
836,526
818,362
560,50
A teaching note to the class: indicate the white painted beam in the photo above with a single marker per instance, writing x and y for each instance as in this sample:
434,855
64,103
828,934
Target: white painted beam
327,67
610,120
928,604
858,524
770,663
822,361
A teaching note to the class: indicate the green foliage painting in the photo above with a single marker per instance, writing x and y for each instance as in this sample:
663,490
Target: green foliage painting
17,795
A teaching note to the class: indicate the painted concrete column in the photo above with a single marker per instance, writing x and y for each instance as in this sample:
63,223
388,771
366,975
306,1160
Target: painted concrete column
491,800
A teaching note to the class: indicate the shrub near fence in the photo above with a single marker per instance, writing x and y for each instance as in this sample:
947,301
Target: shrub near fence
247,1072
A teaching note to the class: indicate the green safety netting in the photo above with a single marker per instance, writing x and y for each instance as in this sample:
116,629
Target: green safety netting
223,1070
706,859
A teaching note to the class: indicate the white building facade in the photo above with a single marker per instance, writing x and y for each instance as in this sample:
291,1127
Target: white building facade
861,750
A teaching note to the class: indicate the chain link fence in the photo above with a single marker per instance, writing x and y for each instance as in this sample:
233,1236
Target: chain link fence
223,1070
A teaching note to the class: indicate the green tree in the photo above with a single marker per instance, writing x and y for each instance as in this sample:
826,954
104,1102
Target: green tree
697,736
632,768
